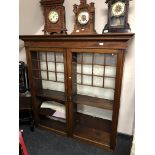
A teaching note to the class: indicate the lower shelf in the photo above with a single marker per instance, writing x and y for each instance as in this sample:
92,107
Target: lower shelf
53,125
88,129
93,130
93,136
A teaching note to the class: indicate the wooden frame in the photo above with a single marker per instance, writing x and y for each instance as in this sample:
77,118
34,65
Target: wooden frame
97,131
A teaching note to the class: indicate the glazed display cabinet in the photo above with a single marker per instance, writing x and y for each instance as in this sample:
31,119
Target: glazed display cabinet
75,82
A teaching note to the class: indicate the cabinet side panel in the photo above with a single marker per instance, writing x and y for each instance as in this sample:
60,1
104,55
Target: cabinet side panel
120,60
35,102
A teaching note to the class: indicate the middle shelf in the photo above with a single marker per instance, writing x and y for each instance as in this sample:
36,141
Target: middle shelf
54,95
78,99
93,101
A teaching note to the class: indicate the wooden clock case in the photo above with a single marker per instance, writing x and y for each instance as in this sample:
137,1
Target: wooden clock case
58,27
89,27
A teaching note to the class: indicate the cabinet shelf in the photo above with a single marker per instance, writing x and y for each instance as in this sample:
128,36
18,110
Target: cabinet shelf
86,125
92,64
53,125
93,101
47,61
99,138
52,95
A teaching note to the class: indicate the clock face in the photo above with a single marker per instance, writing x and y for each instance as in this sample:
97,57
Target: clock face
118,9
83,17
53,17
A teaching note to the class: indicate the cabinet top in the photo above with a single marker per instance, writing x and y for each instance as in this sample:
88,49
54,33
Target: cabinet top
99,37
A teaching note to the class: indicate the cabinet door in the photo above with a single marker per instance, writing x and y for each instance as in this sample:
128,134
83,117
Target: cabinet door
48,71
92,84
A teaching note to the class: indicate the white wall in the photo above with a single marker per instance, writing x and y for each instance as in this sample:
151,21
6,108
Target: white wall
30,18
126,116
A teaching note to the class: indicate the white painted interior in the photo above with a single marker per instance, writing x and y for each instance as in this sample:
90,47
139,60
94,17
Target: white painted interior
31,22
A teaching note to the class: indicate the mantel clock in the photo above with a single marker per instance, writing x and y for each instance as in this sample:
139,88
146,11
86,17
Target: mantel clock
54,15
84,18
117,16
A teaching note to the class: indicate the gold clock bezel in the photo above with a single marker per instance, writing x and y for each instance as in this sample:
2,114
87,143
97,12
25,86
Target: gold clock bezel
114,6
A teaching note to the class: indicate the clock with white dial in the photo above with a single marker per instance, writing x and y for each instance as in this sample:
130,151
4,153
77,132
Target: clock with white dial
83,17
53,17
118,9
117,16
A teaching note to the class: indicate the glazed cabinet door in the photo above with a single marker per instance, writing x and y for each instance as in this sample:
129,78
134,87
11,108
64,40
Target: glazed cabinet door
92,75
48,86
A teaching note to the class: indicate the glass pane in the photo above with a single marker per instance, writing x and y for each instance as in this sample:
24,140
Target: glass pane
53,85
87,58
117,21
51,66
78,78
98,70
43,74
78,57
95,112
111,59
51,76
59,57
34,55
43,66
42,56
87,80
99,58
50,56
97,81
109,82
60,77
60,67
110,71
95,92
78,68
87,69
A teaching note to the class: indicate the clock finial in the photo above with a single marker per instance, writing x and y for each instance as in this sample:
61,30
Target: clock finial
83,1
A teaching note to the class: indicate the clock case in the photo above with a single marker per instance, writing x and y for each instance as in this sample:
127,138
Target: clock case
125,27
60,26
89,27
